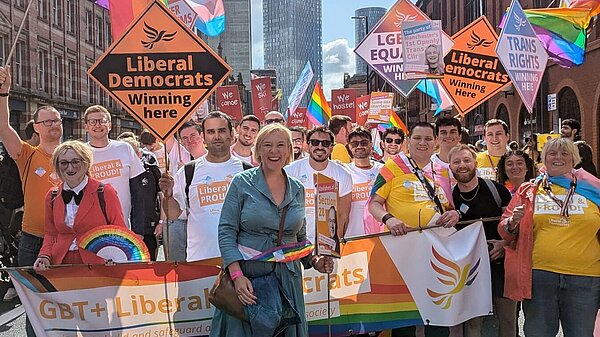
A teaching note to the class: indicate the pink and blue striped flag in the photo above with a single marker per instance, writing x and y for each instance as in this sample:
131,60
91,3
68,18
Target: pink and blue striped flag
433,89
211,16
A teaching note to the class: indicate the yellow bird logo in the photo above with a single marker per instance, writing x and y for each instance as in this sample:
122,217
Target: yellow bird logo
450,274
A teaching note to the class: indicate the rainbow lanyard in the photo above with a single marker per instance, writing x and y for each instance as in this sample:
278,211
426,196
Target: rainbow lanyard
284,253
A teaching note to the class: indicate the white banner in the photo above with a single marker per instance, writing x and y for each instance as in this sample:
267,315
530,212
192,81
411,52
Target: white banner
447,272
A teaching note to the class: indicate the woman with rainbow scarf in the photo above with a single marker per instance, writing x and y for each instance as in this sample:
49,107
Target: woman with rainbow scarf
553,261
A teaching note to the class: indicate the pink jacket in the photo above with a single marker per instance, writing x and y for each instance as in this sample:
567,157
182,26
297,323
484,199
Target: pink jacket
519,253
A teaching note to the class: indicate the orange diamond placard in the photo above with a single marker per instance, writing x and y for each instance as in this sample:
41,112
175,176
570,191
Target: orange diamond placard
159,70
473,73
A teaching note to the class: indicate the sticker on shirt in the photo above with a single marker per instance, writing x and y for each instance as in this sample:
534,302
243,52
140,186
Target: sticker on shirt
309,198
54,179
361,192
545,205
487,173
107,169
40,171
464,208
212,192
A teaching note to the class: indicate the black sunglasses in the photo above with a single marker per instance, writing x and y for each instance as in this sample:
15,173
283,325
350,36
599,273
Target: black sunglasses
271,121
317,142
396,140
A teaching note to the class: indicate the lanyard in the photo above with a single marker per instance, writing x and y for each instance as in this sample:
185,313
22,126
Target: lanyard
564,205
426,185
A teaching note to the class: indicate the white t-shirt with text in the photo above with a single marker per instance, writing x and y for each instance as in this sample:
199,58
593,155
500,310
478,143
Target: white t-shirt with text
363,180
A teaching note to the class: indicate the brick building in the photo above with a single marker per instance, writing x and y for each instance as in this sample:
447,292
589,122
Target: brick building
60,40
577,90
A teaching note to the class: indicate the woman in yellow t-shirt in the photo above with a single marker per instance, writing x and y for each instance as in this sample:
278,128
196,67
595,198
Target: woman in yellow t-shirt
553,260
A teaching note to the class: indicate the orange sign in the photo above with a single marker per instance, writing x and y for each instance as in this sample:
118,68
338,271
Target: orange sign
159,70
472,71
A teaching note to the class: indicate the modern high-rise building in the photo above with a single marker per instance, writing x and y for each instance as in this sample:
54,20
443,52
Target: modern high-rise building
365,19
292,36
235,40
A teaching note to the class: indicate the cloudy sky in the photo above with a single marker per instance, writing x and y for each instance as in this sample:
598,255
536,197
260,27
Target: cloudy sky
338,38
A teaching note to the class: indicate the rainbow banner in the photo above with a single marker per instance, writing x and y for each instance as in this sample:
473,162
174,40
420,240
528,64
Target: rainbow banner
163,298
318,111
122,13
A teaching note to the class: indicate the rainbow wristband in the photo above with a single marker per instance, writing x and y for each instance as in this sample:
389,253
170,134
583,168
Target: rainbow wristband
236,274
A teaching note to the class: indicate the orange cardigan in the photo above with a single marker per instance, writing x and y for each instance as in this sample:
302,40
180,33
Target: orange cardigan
518,258
58,236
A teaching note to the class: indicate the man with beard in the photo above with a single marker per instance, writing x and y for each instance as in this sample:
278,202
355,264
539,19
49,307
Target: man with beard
495,133
320,143
412,196
570,128
298,136
391,142
364,171
477,198
35,169
247,131
202,198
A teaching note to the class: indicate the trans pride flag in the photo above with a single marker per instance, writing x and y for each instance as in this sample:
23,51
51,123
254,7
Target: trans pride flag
318,111
211,16
437,92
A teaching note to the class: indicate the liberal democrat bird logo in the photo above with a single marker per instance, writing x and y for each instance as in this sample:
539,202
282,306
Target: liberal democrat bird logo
450,274
403,17
519,22
476,41
156,36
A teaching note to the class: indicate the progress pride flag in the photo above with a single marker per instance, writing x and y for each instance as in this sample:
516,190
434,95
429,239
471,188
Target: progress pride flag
228,100
343,102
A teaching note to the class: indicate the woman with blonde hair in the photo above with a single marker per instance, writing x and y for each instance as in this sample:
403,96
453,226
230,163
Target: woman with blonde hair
552,262
264,210
78,205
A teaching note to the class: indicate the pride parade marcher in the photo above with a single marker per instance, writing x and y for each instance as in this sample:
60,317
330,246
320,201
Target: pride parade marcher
391,142
408,188
80,204
341,126
495,133
258,202
514,168
244,146
553,261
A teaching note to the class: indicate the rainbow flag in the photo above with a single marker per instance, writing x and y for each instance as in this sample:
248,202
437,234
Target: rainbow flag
122,12
397,122
318,111
211,16
437,92
592,5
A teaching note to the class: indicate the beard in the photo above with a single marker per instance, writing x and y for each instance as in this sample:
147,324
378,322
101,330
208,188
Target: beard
245,143
465,177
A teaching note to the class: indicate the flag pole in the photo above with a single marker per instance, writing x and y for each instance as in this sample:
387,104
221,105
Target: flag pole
12,48
328,306
166,208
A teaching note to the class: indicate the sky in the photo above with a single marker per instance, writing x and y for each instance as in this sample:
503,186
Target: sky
337,41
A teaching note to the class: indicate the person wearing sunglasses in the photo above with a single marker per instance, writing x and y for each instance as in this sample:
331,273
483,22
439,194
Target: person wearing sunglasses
273,117
37,174
341,126
391,142
320,143
75,208
364,171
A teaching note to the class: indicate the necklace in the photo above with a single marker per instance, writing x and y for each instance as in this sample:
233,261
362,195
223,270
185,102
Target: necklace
471,198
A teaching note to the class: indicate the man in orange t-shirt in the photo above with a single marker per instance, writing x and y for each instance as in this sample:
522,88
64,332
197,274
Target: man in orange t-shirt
35,168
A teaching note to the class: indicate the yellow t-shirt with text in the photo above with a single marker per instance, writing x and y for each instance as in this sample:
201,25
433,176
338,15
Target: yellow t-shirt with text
486,165
566,245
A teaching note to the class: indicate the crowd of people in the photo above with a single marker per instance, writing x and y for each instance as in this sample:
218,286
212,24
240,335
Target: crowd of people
219,185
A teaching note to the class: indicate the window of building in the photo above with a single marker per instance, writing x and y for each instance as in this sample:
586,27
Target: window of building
444,14
89,26
57,19
71,80
108,34
473,10
18,60
42,70
43,9
70,19
3,39
58,76
453,9
435,13
100,32
20,3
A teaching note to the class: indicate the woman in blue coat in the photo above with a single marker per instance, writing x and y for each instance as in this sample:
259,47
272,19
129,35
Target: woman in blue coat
249,223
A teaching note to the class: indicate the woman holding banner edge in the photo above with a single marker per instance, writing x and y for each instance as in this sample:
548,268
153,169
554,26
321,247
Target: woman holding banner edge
552,262
250,221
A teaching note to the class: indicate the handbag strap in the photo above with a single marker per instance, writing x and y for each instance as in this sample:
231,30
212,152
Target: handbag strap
281,222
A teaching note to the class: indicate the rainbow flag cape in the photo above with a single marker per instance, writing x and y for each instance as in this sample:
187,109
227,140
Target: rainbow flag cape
433,89
318,111
211,16
122,12
284,253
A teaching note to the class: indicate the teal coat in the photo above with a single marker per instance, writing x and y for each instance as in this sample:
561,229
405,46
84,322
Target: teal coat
251,218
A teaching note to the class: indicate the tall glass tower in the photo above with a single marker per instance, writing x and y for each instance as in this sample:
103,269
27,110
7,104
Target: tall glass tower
370,15
292,36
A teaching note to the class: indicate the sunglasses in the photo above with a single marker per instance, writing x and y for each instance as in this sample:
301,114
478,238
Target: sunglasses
317,142
396,140
271,121
363,143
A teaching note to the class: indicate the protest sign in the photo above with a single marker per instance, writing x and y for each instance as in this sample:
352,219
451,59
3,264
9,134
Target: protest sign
326,210
380,106
472,71
362,109
522,54
343,102
184,12
228,101
261,96
298,117
422,49
159,71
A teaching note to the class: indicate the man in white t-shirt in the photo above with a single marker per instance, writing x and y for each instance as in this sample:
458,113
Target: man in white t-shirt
448,133
320,144
204,197
115,162
247,132
364,172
